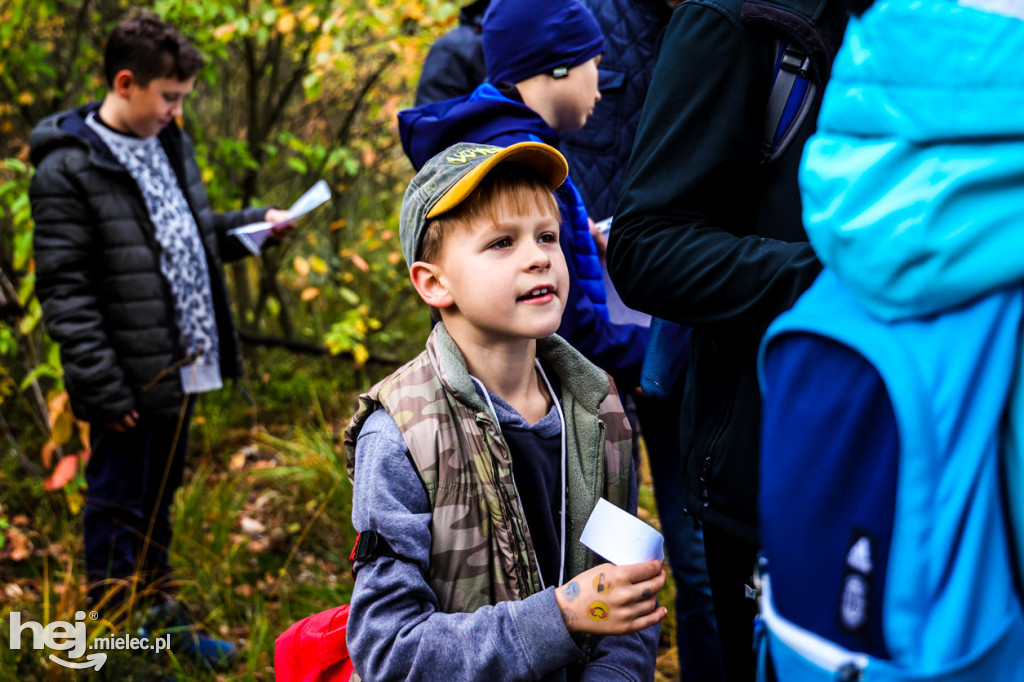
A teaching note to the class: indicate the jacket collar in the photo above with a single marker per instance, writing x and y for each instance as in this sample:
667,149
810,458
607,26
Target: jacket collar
70,128
577,375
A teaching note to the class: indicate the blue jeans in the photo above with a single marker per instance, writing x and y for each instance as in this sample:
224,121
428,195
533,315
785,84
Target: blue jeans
697,643
132,477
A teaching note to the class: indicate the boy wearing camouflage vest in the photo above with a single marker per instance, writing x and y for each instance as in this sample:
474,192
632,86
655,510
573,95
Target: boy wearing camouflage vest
476,465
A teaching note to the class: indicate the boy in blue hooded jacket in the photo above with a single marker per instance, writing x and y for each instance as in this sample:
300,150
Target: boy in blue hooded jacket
886,387
542,59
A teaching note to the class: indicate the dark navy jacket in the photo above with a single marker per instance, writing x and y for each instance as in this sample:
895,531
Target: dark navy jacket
455,63
489,116
599,153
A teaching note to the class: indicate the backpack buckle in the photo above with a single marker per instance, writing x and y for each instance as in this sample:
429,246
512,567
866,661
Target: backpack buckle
794,61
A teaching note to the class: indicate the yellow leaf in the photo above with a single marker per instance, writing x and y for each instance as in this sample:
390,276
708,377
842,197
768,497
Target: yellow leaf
26,98
309,293
323,45
394,257
224,32
55,405
360,355
318,264
301,265
286,24
338,224
63,427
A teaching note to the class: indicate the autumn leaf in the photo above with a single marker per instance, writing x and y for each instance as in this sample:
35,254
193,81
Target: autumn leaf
318,264
309,293
65,470
286,24
360,263
56,406
301,265
224,32
21,548
46,453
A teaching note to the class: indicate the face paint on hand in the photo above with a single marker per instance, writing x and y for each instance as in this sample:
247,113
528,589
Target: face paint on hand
572,590
598,610
600,586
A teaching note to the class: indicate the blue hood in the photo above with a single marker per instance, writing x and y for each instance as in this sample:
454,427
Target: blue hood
485,116
913,185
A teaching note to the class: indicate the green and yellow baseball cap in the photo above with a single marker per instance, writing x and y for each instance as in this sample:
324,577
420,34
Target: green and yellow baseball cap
447,179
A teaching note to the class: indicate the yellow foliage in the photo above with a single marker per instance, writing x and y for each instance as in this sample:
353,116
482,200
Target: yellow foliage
318,264
338,224
309,293
301,265
286,24
26,98
224,32
360,355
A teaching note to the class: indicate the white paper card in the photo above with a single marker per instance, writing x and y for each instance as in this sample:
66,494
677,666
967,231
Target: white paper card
254,234
620,537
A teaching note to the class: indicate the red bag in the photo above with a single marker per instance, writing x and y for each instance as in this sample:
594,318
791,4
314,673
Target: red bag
314,649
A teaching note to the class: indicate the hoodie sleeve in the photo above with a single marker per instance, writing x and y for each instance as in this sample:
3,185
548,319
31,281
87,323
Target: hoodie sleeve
685,244
395,630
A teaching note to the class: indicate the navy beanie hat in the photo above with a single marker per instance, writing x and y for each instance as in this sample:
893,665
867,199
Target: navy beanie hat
522,38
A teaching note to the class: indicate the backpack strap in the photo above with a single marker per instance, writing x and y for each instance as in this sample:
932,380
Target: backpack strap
791,98
369,546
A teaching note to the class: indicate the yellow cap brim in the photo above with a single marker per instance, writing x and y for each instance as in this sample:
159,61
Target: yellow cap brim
544,159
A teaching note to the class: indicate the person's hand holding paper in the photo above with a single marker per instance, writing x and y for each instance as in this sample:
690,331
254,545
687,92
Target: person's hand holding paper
277,223
616,599
620,537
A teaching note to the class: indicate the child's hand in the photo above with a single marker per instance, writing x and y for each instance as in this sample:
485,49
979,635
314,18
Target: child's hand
613,600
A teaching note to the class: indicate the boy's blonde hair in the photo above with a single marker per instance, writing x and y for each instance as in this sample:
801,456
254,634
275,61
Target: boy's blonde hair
510,186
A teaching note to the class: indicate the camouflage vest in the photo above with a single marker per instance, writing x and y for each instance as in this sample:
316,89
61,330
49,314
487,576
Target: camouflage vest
481,552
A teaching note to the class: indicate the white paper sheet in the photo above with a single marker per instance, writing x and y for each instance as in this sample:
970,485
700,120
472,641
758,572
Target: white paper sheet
620,537
254,234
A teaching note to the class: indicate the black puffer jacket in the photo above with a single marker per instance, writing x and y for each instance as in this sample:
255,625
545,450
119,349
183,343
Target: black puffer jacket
98,276
708,235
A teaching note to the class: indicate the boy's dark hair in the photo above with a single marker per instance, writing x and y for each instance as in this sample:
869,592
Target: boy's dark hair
150,48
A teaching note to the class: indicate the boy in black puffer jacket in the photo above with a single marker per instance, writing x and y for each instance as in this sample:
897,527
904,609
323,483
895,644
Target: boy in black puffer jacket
129,273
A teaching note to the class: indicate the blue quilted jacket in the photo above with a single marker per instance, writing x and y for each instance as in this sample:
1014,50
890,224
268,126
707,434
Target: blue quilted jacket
599,153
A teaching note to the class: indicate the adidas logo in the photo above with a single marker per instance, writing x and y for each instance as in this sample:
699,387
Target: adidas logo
859,556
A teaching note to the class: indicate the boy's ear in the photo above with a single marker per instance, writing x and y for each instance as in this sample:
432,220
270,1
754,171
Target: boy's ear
124,80
429,283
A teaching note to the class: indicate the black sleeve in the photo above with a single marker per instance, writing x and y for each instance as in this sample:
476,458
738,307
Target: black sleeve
685,245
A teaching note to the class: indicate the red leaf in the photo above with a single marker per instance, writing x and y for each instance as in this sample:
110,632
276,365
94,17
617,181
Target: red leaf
64,471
